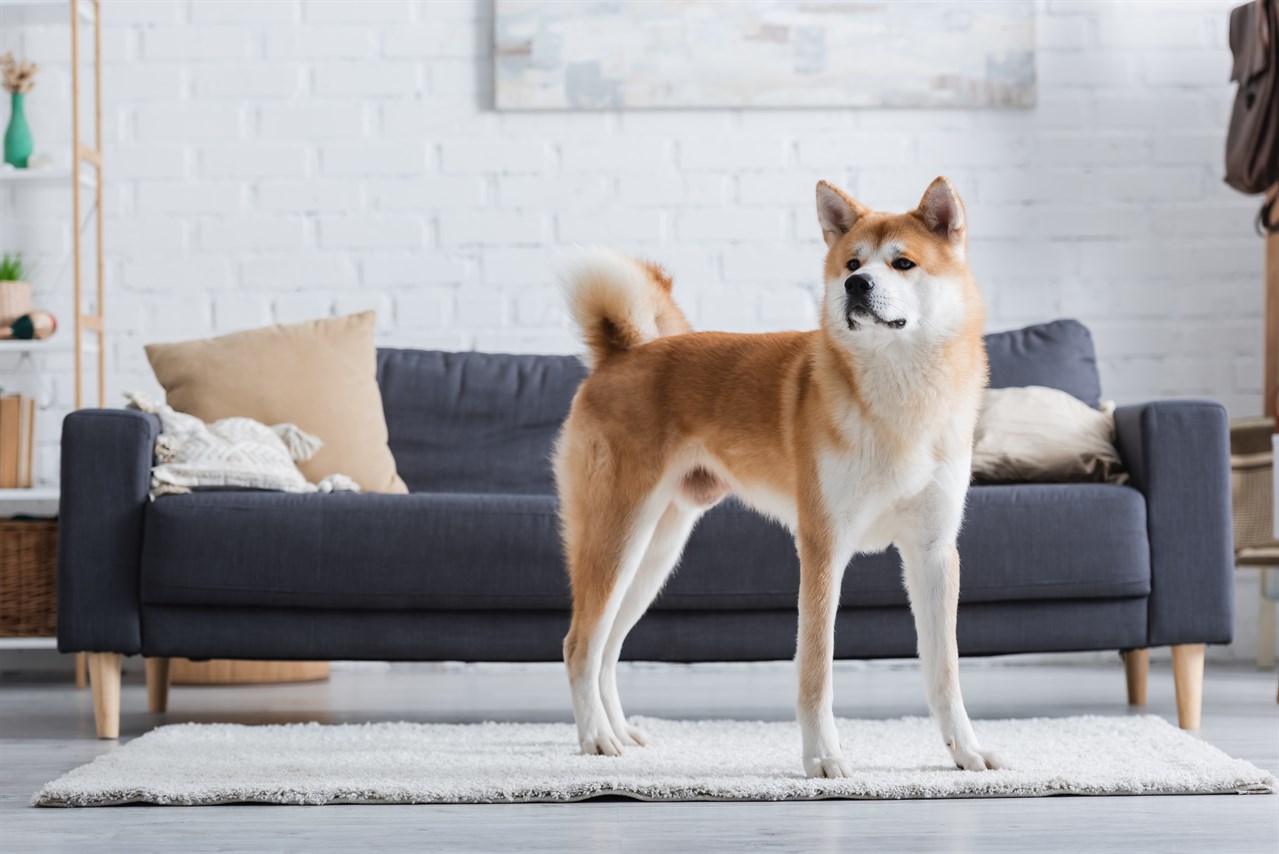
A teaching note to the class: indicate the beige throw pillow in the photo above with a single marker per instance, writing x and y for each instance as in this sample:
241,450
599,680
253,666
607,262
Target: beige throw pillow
1037,434
320,375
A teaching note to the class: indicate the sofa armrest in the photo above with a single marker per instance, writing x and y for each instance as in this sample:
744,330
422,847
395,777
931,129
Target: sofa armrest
1178,454
106,475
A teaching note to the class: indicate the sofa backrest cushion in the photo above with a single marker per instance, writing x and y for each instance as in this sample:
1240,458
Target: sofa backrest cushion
475,422
1057,355
486,423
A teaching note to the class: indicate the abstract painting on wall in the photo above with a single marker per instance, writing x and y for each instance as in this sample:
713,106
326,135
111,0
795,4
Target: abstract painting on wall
655,54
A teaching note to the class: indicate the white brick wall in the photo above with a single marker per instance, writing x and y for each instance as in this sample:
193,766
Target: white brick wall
274,160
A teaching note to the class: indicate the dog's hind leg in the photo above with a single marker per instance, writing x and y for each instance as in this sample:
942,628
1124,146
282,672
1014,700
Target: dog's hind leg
606,537
930,562
663,553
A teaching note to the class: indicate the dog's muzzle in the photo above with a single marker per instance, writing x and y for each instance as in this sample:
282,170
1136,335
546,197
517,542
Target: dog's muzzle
858,290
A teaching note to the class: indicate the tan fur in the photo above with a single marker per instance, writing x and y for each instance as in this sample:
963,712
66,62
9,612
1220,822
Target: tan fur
672,419
620,303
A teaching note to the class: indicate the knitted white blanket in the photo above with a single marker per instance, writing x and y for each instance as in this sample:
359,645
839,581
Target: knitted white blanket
231,453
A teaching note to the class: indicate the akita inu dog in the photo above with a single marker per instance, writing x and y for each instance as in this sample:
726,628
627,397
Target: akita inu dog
855,436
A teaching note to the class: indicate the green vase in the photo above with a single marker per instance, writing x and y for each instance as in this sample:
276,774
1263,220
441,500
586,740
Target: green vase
17,137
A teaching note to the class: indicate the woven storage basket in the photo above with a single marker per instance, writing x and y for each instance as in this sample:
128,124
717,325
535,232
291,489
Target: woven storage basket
28,577
1252,487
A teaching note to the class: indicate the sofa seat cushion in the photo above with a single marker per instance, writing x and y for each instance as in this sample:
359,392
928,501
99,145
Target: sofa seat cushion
458,551
422,550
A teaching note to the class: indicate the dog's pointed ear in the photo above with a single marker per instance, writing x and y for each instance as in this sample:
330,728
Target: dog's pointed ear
942,211
836,212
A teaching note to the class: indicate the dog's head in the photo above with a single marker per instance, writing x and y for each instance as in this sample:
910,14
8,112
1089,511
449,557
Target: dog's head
895,277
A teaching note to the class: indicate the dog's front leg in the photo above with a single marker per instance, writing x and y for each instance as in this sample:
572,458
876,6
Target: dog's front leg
821,569
931,570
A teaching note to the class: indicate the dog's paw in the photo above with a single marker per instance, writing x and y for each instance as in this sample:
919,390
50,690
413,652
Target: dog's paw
636,737
976,760
601,742
829,767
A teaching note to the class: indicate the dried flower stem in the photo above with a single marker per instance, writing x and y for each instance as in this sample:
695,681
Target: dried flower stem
19,77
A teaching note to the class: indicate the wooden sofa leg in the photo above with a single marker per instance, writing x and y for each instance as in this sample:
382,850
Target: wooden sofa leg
81,672
157,685
104,680
1136,668
1188,679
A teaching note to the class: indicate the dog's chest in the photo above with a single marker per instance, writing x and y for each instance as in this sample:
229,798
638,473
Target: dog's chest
864,493
873,478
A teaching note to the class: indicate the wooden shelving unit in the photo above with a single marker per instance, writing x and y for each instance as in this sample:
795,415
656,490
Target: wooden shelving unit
88,330
83,154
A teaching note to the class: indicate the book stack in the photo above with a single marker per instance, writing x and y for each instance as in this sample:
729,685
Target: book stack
17,441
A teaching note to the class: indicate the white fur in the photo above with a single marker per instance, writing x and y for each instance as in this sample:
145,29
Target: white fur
932,306
596,734
909,500
659,560
599,282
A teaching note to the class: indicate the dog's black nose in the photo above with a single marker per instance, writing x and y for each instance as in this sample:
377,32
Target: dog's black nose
859,285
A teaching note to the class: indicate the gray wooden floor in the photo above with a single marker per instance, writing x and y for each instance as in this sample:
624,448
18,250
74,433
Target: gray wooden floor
46,728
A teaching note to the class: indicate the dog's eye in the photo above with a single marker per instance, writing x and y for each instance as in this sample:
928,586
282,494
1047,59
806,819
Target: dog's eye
853,265
903,264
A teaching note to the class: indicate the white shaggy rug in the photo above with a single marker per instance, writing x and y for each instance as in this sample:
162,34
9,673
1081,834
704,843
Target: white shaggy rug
397,763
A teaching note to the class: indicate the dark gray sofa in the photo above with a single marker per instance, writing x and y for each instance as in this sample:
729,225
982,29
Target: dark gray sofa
468,566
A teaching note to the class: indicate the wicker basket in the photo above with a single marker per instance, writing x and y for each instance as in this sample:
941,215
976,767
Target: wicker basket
28,577
1252,485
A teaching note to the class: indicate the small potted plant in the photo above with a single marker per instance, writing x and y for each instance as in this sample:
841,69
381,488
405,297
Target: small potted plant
19,78
15,291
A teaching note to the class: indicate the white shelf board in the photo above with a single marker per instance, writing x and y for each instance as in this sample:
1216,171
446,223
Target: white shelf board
84,7
43,177
32,493
40,502
28,643
61,344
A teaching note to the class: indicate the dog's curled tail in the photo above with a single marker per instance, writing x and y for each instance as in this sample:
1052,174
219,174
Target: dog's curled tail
618,302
